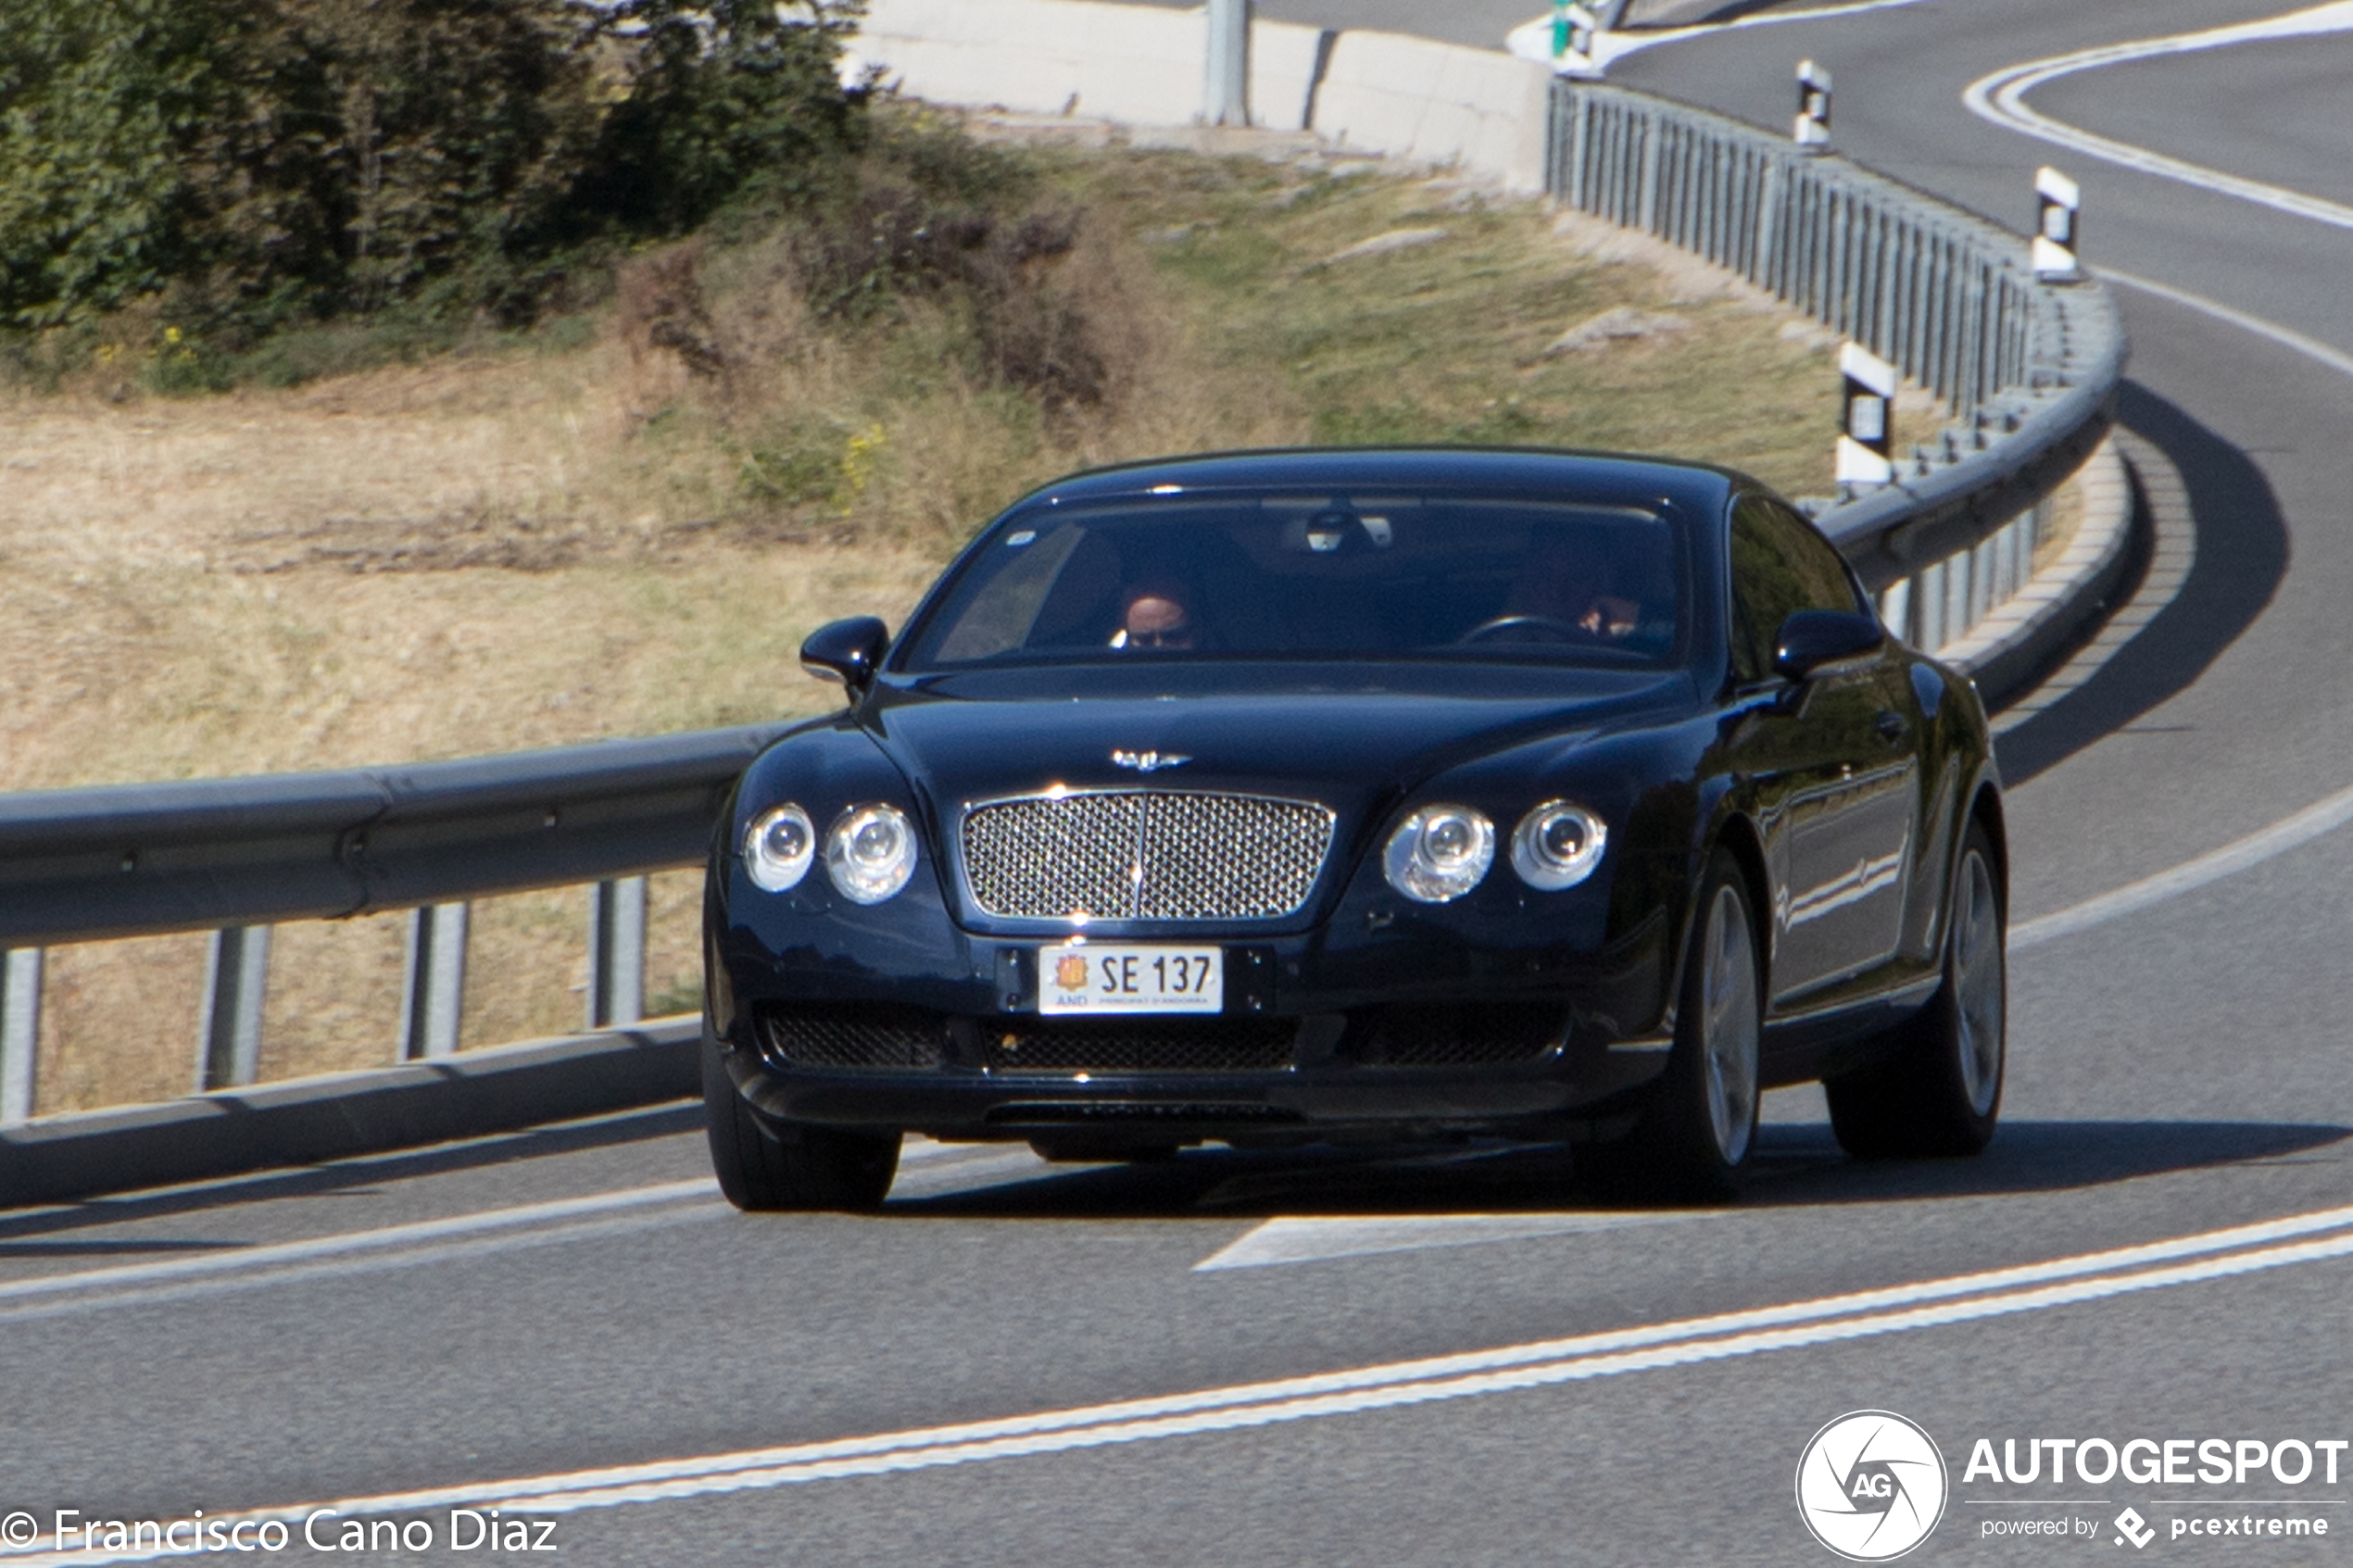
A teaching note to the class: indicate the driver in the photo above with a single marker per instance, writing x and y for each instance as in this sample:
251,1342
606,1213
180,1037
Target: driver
1156,614
1570,579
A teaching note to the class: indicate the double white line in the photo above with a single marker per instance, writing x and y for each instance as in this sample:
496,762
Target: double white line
2063,1282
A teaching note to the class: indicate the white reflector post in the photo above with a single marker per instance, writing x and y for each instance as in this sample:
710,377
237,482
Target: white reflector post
1812,128
1867,423
2056,226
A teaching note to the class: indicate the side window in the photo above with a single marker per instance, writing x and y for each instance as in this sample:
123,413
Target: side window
1779,566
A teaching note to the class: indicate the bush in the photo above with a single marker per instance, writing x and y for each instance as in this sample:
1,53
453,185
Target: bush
272,161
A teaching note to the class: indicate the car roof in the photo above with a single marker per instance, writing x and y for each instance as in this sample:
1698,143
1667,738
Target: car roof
1589,476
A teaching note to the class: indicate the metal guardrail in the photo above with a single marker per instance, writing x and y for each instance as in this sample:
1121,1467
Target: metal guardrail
2029,368
235,855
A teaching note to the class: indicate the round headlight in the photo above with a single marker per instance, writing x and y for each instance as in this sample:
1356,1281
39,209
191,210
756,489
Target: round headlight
1557,844
871,853
778,847
1440,853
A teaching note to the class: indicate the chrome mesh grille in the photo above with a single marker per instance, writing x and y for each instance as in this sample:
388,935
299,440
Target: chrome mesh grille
1145,855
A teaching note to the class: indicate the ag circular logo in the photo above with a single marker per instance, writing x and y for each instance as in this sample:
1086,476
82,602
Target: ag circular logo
1872,1486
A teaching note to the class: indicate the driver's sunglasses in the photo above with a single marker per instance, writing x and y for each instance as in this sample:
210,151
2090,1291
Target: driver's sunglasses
1168,637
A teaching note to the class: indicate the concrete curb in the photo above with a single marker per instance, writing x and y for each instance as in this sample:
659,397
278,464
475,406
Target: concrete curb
2005,652
503,1089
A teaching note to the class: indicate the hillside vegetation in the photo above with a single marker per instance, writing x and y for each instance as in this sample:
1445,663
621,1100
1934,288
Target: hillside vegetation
528,454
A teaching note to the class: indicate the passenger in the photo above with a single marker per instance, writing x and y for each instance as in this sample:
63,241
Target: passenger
1155,615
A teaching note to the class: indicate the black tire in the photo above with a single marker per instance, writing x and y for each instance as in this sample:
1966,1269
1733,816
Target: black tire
1693,1138
1937,1090
794,1166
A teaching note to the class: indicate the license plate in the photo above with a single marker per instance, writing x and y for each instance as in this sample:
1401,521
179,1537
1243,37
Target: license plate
1092,977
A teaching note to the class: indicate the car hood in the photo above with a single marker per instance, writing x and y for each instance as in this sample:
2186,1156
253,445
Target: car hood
1355,743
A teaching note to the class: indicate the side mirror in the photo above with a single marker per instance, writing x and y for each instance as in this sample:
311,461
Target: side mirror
846,651
1812,638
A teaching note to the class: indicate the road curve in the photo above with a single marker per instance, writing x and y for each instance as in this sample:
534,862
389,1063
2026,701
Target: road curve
1435,1356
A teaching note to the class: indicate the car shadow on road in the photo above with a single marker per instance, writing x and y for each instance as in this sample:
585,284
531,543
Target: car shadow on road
1797,1165
2242,556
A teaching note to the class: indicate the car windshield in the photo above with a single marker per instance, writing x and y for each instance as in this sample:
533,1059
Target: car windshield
1283,576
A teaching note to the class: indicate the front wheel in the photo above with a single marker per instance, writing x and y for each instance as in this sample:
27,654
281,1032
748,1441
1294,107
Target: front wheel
1938,1090
799,1165
1692,1139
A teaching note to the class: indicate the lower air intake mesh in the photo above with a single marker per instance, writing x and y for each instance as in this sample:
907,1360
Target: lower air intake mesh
1455,1035
855,1037
1147,1045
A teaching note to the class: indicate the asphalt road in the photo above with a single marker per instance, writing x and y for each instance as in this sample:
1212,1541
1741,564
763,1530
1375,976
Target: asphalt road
466,1327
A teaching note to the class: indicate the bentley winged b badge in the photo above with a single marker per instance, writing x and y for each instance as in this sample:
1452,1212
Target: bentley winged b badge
1149,761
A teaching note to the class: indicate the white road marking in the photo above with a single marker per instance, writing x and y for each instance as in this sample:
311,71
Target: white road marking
500,1244
278,1253
1315,1239
2311,348
2001,98
2242,1249
2322,816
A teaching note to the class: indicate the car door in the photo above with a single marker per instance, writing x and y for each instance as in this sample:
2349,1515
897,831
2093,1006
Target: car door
1834,762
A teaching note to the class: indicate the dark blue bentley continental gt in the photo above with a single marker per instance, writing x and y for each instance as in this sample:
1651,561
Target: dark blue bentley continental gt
1319,797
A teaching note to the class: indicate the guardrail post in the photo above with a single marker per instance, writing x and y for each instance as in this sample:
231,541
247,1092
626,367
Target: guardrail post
1227,97
20,1032
437,982
617,952
1646,208
230,1039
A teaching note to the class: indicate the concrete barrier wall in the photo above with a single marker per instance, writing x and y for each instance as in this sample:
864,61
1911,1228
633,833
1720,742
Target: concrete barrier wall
1143,65
1437,103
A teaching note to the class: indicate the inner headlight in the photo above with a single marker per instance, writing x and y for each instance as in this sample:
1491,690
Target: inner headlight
871,853
1557,844
1440,853
778,847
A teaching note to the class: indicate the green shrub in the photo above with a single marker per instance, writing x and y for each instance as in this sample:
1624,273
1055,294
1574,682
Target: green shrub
268,162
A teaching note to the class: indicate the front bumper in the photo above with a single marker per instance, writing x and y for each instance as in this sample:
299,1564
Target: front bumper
1406,1037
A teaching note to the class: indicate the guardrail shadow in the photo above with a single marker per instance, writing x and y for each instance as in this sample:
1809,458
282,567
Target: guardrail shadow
1799,1165
343,1176
2242,556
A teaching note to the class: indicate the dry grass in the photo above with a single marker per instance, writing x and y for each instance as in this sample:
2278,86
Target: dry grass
529,547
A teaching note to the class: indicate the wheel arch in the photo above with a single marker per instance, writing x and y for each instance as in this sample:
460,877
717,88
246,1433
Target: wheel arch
1738,836
1985,811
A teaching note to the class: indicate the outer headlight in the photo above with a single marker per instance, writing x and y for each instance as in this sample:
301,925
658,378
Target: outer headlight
1440,853
1557,844
871,853
778,847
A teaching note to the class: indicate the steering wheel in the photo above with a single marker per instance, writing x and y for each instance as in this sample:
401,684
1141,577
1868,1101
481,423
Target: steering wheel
1499,625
